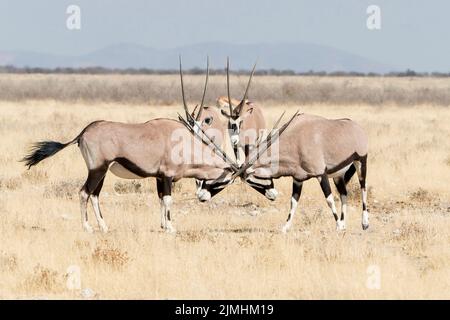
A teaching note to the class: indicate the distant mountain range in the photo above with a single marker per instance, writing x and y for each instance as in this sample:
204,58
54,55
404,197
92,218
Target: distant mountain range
299,57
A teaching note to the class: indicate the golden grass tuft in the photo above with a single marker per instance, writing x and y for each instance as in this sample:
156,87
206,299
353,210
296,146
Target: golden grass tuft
107,253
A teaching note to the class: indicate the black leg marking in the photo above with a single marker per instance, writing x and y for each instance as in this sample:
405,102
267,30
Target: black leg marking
159,187
325,185
167,190
94,179
296,192
340,186
326,189
362,178
349,173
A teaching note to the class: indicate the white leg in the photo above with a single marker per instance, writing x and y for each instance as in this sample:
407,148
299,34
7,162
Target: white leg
288,223
84,196
296,191
204,195
362,181
365,214
332,205
167,201
163,214
341,222
271,194
101,223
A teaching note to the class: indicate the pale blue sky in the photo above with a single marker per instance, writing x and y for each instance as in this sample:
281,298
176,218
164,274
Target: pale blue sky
414,33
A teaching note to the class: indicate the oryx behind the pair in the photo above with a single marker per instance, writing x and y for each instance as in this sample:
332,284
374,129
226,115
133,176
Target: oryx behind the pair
246,123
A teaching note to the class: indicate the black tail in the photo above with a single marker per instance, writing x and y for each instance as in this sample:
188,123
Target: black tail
42,150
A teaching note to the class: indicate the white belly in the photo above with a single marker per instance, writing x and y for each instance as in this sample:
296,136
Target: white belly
340,172
122,172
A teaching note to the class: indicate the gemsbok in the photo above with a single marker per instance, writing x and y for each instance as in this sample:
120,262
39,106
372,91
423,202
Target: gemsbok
246,123
160,148
314,147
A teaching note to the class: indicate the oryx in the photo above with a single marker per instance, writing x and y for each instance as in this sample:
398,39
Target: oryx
315,147
246,123
135,151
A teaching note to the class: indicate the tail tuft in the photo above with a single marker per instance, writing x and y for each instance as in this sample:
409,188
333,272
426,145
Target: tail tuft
42,150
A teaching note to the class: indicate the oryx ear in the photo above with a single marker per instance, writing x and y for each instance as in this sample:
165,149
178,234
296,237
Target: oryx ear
224,113
247,113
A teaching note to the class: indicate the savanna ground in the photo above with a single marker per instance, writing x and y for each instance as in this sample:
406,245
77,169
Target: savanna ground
230,247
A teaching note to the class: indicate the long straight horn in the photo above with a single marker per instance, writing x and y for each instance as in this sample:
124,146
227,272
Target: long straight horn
186,110
204,90
228,87
271,138
241,104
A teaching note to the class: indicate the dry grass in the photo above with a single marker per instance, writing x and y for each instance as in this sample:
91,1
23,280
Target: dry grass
230,247
165,89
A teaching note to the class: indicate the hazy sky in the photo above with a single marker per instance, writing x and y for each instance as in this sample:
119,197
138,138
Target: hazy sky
414,33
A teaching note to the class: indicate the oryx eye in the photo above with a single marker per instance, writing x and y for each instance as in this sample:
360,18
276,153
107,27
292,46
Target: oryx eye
208,121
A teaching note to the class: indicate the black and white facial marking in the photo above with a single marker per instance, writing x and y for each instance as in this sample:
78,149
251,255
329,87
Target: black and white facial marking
234,129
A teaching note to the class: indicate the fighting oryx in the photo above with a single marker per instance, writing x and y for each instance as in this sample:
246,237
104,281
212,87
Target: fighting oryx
160,148
315,147
246,123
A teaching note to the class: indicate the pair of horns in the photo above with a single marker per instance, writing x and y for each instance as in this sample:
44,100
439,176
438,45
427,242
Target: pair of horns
236,112
186,109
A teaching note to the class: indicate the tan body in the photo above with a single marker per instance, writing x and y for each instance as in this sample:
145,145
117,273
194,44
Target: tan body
160,148
315,147
150,154
312,146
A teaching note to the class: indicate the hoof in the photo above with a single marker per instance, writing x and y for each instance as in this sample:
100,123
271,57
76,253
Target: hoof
285,228
340,225
104,228
87,228
271,194
170,230
204,195
365,220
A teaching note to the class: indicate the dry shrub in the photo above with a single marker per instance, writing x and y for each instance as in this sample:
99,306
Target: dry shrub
414,237
354,191
63,189
43,279
164,90
134,186
35,175
447,161
422,195
106,253
245,242
8,262
191,236
10,184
